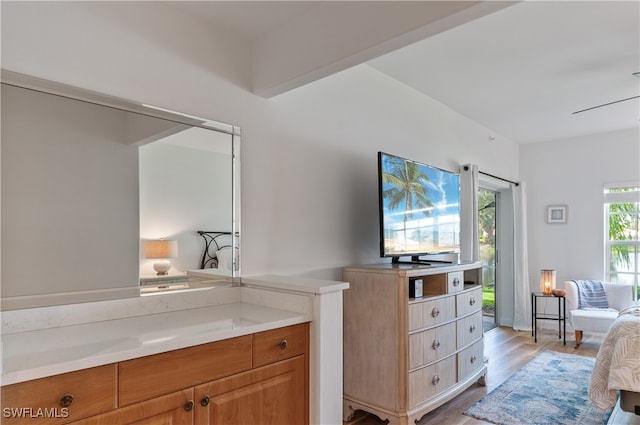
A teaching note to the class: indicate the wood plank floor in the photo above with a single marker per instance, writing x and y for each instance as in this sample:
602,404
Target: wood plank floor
506,351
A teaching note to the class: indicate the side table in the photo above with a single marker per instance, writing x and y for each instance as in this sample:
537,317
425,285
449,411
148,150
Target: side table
561,316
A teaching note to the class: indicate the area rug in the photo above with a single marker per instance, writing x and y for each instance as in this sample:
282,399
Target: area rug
550,389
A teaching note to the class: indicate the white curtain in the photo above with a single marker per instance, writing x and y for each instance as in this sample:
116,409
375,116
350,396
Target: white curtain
469,242
521,292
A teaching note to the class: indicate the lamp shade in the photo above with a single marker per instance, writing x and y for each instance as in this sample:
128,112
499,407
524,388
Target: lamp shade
160,248
547,281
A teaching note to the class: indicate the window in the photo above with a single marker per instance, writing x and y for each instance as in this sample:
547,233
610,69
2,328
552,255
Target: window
622,221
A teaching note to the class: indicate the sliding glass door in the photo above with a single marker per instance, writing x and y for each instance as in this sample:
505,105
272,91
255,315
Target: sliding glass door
487,201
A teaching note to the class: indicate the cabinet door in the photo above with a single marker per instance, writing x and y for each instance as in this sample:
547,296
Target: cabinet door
172,409
271,395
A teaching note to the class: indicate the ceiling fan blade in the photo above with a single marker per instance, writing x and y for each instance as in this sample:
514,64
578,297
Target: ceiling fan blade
605,104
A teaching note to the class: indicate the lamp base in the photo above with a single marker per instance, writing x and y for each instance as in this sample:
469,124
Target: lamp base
162,267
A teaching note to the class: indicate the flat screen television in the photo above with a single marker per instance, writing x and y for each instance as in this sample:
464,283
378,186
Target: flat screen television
419,208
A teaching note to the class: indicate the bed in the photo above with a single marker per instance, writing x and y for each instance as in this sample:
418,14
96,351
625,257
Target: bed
218,250
617,366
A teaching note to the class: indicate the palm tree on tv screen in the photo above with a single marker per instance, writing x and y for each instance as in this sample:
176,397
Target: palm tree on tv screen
408,187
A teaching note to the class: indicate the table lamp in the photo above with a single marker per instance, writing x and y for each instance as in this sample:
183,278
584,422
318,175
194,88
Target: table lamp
547,281
161,250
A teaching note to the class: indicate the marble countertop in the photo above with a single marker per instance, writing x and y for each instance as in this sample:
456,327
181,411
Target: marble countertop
45,352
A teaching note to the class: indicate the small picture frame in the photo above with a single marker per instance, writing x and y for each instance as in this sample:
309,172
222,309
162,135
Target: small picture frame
557,214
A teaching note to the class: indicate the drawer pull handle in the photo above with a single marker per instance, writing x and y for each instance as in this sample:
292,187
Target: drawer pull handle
435,380
456,281
283,344
66,400
436,344
472,328
473,359
472,301
188,406
435,312
204,401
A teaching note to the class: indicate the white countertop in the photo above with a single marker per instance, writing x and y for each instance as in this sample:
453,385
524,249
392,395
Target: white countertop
45,352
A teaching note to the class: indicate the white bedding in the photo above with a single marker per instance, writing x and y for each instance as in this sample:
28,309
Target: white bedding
617,365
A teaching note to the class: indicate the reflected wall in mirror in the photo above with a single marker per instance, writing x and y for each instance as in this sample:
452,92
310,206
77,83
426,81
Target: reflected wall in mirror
87,177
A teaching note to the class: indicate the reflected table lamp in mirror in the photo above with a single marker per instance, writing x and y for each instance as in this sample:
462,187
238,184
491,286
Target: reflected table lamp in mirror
161,250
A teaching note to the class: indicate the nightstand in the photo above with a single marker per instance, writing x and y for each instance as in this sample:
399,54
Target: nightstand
169,279
561,316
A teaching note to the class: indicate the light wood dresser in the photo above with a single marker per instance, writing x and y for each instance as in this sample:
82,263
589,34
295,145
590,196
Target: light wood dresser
404,357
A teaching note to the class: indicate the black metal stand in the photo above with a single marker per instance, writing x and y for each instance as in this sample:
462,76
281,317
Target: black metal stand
561,317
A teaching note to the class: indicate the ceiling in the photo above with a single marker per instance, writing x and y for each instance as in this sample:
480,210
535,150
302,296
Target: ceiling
521,71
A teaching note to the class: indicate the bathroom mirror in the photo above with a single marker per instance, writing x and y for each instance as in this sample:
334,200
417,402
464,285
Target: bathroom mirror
88,179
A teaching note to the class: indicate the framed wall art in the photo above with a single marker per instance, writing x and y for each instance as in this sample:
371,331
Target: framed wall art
557,214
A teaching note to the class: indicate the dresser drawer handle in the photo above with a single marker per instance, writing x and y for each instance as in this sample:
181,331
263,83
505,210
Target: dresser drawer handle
436,344
66,400
283,344
204,401
435,312
472,301
456,281
473,359
188,406
435,380
472,328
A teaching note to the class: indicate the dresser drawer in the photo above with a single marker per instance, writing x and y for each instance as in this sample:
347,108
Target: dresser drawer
468,302
152,376
279,344
66,397
429,381
433,344
470,360
431,312
469,329
455,282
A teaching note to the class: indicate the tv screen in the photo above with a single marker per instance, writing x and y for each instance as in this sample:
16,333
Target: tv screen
419,208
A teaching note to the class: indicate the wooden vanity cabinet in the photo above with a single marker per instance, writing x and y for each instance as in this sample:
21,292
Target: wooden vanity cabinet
253,379
404,357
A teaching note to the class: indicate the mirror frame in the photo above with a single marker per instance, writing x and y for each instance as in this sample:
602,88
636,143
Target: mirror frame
74,93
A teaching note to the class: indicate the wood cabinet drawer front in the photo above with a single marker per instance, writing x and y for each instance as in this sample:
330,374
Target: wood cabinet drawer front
468,302
431,345
89,392
431,312
148,377
455,282
279,344
470,360
469,329
428,382
171,409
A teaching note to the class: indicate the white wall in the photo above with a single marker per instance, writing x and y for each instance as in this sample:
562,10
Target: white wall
47,142
183,190
573,172
309,202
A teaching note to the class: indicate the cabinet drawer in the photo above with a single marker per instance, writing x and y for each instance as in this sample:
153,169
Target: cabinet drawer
90,392
151,376
428,382
279,344
433,344
470,360
469,329
468,302
431,312
455,282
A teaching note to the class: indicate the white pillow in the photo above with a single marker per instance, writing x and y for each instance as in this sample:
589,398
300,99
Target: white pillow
225,258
